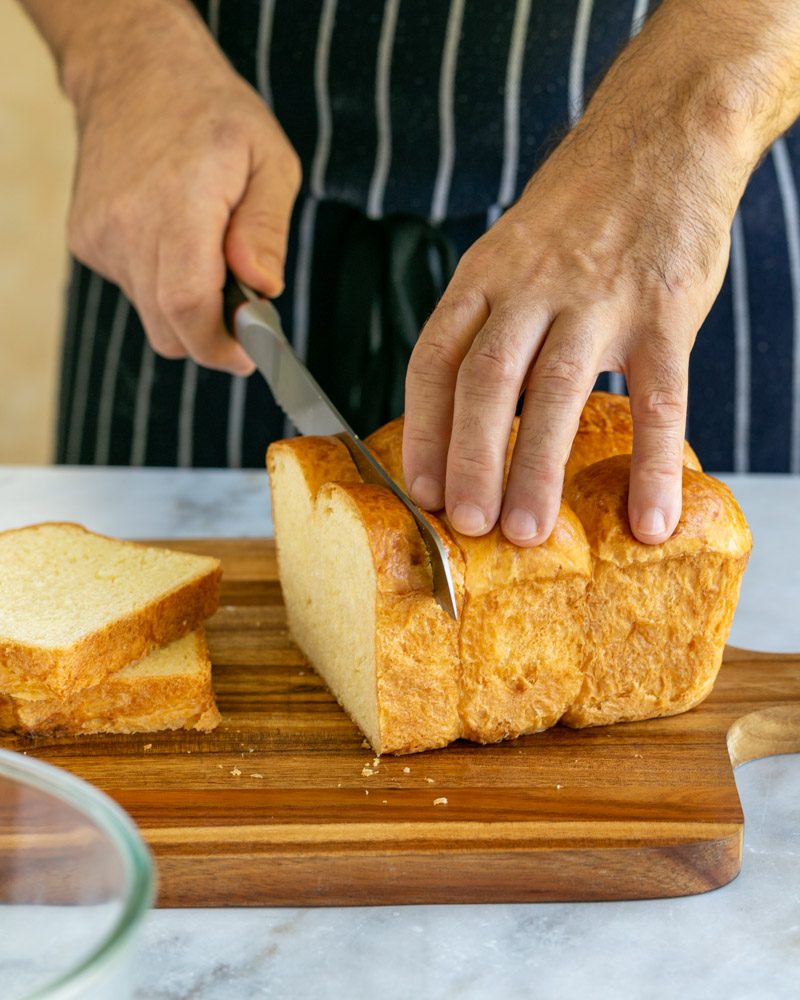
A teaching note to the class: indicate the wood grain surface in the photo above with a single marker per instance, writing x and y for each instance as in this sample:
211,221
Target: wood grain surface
276,808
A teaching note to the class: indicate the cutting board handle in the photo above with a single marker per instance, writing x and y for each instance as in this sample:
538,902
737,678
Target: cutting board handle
765,733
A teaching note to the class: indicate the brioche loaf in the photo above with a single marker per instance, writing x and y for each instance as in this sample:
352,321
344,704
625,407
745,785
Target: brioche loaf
76,606
540,630
169,689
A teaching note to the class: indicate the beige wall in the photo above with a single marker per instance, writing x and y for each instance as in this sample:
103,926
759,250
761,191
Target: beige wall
36,155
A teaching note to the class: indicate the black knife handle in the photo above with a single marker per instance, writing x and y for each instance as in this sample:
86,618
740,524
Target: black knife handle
232,297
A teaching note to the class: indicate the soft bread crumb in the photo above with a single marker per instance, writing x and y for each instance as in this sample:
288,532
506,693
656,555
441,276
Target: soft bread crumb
236,772
440,802
256,775
429,780
406,770
148,746
366,771
376,761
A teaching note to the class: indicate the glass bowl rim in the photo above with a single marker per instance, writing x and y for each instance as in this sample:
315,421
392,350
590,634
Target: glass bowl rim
117,825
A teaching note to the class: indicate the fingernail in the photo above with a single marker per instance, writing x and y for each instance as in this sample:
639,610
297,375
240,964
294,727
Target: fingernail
427,492
652,522
520,524
468,519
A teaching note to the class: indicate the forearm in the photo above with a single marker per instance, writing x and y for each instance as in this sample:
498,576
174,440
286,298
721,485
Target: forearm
713,84
92,36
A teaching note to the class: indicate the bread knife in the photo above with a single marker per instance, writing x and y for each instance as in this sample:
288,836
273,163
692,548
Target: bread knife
257,326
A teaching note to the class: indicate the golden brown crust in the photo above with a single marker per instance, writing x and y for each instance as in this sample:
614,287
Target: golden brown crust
127,701
606,429
657,615
322,459
383,443
711,520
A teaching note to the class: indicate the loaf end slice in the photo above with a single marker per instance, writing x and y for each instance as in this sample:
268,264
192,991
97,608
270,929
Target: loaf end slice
169,689
75,606
357,587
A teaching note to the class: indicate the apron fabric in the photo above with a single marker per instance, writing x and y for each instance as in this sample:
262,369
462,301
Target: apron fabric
418,122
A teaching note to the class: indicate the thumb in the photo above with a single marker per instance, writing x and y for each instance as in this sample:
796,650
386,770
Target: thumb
258,230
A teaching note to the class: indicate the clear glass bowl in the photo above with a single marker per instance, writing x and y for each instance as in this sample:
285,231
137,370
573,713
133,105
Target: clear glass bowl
76,881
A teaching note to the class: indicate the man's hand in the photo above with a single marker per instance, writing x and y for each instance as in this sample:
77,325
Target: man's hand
181,168
609,261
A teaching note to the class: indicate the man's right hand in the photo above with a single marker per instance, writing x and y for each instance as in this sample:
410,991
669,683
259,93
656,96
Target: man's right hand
181,168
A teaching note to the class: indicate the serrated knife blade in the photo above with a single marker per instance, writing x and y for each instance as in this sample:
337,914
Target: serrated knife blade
256,324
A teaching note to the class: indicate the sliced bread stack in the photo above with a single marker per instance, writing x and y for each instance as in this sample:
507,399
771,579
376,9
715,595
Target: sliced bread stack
103,636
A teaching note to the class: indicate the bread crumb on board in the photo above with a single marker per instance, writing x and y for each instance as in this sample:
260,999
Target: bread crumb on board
429,780
406,770
148,746
440,801
366,771
256,775
236,772
376,761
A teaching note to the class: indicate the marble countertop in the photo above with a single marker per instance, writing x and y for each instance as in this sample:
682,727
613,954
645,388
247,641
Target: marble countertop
736,943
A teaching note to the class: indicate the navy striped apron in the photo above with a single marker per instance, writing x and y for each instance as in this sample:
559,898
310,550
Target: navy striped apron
418,122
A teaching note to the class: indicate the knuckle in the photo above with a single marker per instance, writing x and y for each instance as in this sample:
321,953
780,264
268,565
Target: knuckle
660,407
292,168
542,469
491,364
178,301
421,439
478,465
431,356
122,213
166,347
659,470
457,306
559,377
228,133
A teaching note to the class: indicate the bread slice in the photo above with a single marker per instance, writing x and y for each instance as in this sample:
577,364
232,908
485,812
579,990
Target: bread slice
76,606
169,689
357,586
606,429
658,616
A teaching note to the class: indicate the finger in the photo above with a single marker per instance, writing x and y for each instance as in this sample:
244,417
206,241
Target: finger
430,386
258,231
558,387
487,390
190,273
658,386
139,286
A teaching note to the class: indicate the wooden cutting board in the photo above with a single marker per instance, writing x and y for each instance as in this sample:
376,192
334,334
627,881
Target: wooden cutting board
275,807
